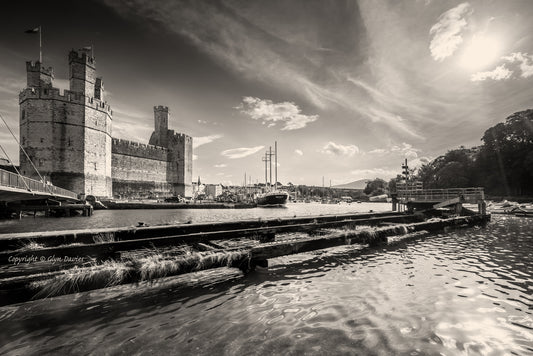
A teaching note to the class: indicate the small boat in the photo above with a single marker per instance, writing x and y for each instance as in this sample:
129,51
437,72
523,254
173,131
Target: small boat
275,198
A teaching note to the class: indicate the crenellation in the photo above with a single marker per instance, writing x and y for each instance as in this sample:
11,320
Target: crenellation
67,96
68,134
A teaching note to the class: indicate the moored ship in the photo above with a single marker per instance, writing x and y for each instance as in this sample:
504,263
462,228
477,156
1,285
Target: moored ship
275,198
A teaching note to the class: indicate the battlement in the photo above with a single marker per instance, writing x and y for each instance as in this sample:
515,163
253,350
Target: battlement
37,66
180,136
137,149
82,56
67,96
161,108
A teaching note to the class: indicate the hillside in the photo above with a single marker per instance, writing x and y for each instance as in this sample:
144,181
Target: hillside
358,184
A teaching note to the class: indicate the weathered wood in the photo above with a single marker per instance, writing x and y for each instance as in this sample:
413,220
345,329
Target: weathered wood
22,288
42,285
57,238
379,235
448,202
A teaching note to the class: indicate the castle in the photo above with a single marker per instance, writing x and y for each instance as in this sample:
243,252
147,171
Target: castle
68,138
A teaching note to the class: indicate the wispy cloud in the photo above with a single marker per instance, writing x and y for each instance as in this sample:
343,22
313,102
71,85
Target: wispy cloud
299,152
220,165
447,32
337,149
203,140
241,152
405,150
394,121
499,73
271,113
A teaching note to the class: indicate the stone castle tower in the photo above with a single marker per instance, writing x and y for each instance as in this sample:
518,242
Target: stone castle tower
67,136
179,157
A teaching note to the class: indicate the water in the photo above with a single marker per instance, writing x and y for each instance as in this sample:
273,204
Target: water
466,291
119,218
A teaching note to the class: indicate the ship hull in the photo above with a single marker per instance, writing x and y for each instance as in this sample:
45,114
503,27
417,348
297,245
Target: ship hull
272,199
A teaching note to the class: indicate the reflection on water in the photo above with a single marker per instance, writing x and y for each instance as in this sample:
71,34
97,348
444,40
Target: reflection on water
464,291
119,218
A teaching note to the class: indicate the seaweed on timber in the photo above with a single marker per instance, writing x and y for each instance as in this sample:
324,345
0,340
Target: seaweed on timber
147,268
108,274
102,237
31,245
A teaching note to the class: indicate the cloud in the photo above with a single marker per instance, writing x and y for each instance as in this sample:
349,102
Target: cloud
525,60
392,120
337,149
271,113
241,152
203,140
447,32
499,73
405,150
299,152
220,165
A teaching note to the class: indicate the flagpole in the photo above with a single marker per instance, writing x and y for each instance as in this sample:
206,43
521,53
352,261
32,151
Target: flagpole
40,46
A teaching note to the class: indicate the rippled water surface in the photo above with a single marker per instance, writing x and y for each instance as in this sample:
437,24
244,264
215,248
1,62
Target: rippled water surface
464,291
119,218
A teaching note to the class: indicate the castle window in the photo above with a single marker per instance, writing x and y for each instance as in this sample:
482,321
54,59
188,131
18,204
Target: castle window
41,161
42,139
23,140
23,114
69,141
95,166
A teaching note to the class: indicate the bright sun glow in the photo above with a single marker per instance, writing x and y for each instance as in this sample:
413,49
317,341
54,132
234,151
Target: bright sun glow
480,52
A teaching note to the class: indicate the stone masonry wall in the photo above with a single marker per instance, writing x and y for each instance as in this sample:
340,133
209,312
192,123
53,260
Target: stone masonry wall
139,170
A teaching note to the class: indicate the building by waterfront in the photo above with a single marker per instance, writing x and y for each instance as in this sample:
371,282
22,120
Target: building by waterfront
68,138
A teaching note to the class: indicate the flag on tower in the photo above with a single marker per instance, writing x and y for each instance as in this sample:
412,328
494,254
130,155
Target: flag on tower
34,30
39,31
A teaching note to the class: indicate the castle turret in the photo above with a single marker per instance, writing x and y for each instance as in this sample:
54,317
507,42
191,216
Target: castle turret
82,72
67,135
39,76
160,135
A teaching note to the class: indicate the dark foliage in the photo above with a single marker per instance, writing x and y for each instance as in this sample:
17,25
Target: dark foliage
503,164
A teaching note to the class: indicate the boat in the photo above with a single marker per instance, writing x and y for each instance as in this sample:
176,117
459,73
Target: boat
274,198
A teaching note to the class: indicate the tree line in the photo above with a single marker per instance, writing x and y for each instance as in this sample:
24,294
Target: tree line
502,164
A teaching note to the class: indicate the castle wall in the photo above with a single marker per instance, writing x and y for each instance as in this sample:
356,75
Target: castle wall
66,135
180,163
69,138
139,170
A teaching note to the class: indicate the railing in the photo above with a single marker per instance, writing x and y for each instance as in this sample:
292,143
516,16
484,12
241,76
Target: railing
13,180
435,195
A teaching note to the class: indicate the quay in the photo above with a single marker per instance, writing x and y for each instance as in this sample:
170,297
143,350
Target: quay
39,265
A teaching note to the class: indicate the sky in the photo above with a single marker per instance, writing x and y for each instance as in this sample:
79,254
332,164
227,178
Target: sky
348,89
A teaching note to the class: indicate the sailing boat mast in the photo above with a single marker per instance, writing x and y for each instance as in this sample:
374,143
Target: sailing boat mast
276,164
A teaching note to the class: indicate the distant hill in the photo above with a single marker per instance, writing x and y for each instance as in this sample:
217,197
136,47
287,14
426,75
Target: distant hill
358,184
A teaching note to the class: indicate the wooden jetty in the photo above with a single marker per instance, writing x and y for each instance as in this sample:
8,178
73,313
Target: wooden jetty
38,265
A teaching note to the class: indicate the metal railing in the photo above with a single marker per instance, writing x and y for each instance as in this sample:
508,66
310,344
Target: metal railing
433,195
13,180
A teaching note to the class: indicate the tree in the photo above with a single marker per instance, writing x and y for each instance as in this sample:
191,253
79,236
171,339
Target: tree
506,155
376,187
453,170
